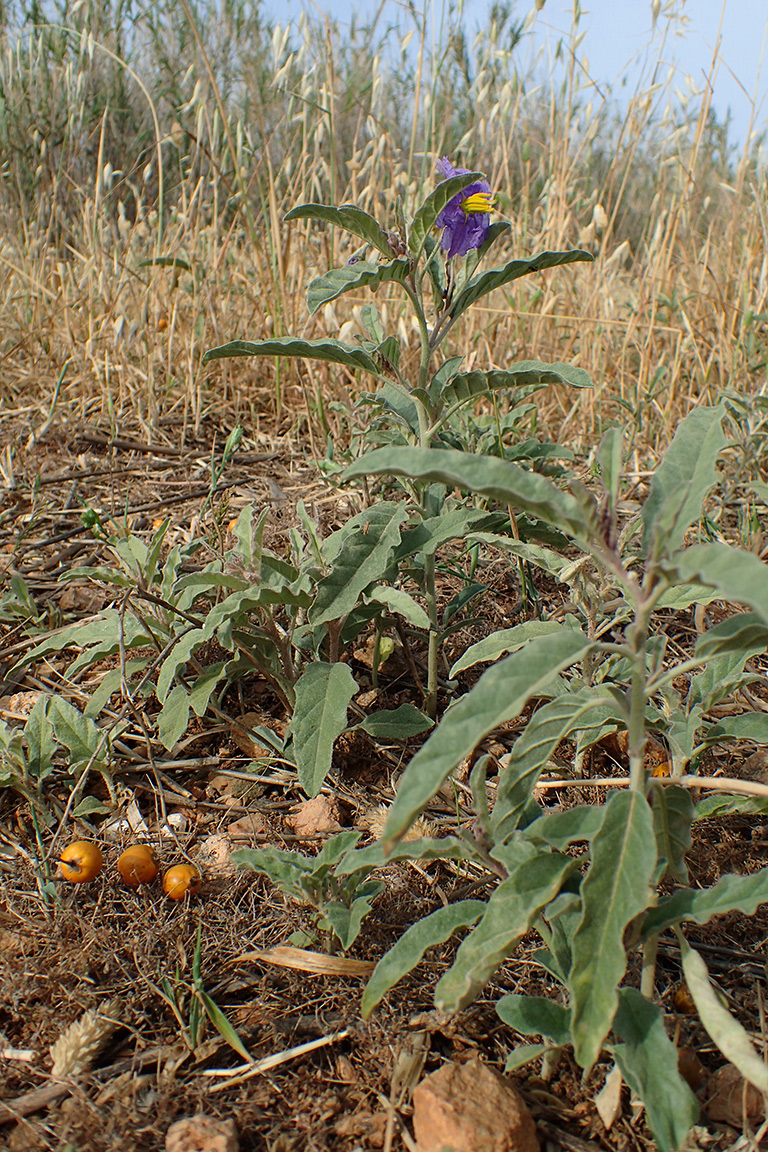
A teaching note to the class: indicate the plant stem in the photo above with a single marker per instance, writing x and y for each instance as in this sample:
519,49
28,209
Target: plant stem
430,700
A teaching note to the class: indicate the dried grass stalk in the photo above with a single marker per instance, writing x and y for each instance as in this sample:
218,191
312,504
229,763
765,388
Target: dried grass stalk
76,1049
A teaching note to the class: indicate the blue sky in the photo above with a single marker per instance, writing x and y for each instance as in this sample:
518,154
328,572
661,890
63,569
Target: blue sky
620,38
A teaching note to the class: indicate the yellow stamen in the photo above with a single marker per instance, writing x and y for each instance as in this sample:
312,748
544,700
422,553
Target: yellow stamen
479,202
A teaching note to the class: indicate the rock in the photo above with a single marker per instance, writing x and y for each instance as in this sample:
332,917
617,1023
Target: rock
315,817
202,1134
470,1108
727,1099
213,855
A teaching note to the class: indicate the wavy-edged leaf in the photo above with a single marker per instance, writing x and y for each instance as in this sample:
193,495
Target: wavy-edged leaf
323,695
364,548
332,351
672,818
617,888
336,281
535,1016
350,218
424,219
526,373
681,481
410,948
77,733
648,1062
582,710
481,285
729,1036
102,633
508,483
499,695
731,893
510,913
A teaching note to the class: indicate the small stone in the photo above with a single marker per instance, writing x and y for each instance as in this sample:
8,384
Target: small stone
470,1108
316,817
202,1134
731,1098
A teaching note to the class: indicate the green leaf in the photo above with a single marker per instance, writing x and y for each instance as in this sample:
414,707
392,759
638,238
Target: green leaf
535,1016
346,922
648,1062
424,219
610,458
202,689
499,695
76,733
729,1036
222,1025
745,726
731,893
505,640
481,285
176,660
398,603
350,218
425,848
396,723
744,632
737,575
571,826
352,277
672,819
510,913
403,956
617,888
103,633
332,351
525,373
323,694
174,717
581,710
683,478
40,740
452,524
363,554
508,483
90,806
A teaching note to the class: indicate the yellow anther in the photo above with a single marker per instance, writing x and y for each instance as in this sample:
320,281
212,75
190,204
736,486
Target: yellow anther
479,202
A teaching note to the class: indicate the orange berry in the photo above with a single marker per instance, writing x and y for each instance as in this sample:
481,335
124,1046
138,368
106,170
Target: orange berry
81,861
181,880
137,865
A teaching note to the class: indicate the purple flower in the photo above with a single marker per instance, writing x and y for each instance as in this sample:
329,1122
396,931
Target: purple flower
465,220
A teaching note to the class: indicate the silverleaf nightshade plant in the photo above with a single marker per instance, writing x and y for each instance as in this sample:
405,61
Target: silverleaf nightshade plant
440,281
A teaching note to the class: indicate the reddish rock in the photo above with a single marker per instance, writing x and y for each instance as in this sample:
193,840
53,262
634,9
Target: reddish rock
202,1134
470,1108
316,817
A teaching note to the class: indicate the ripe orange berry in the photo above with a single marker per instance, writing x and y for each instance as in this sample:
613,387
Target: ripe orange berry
137,865
81,861
181,880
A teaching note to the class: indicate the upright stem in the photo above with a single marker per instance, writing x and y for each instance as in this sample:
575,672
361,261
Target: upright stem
430,594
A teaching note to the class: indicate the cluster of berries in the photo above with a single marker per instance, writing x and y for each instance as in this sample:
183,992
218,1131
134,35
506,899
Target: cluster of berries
82,860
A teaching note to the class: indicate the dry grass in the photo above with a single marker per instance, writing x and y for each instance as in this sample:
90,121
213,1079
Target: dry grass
179,141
